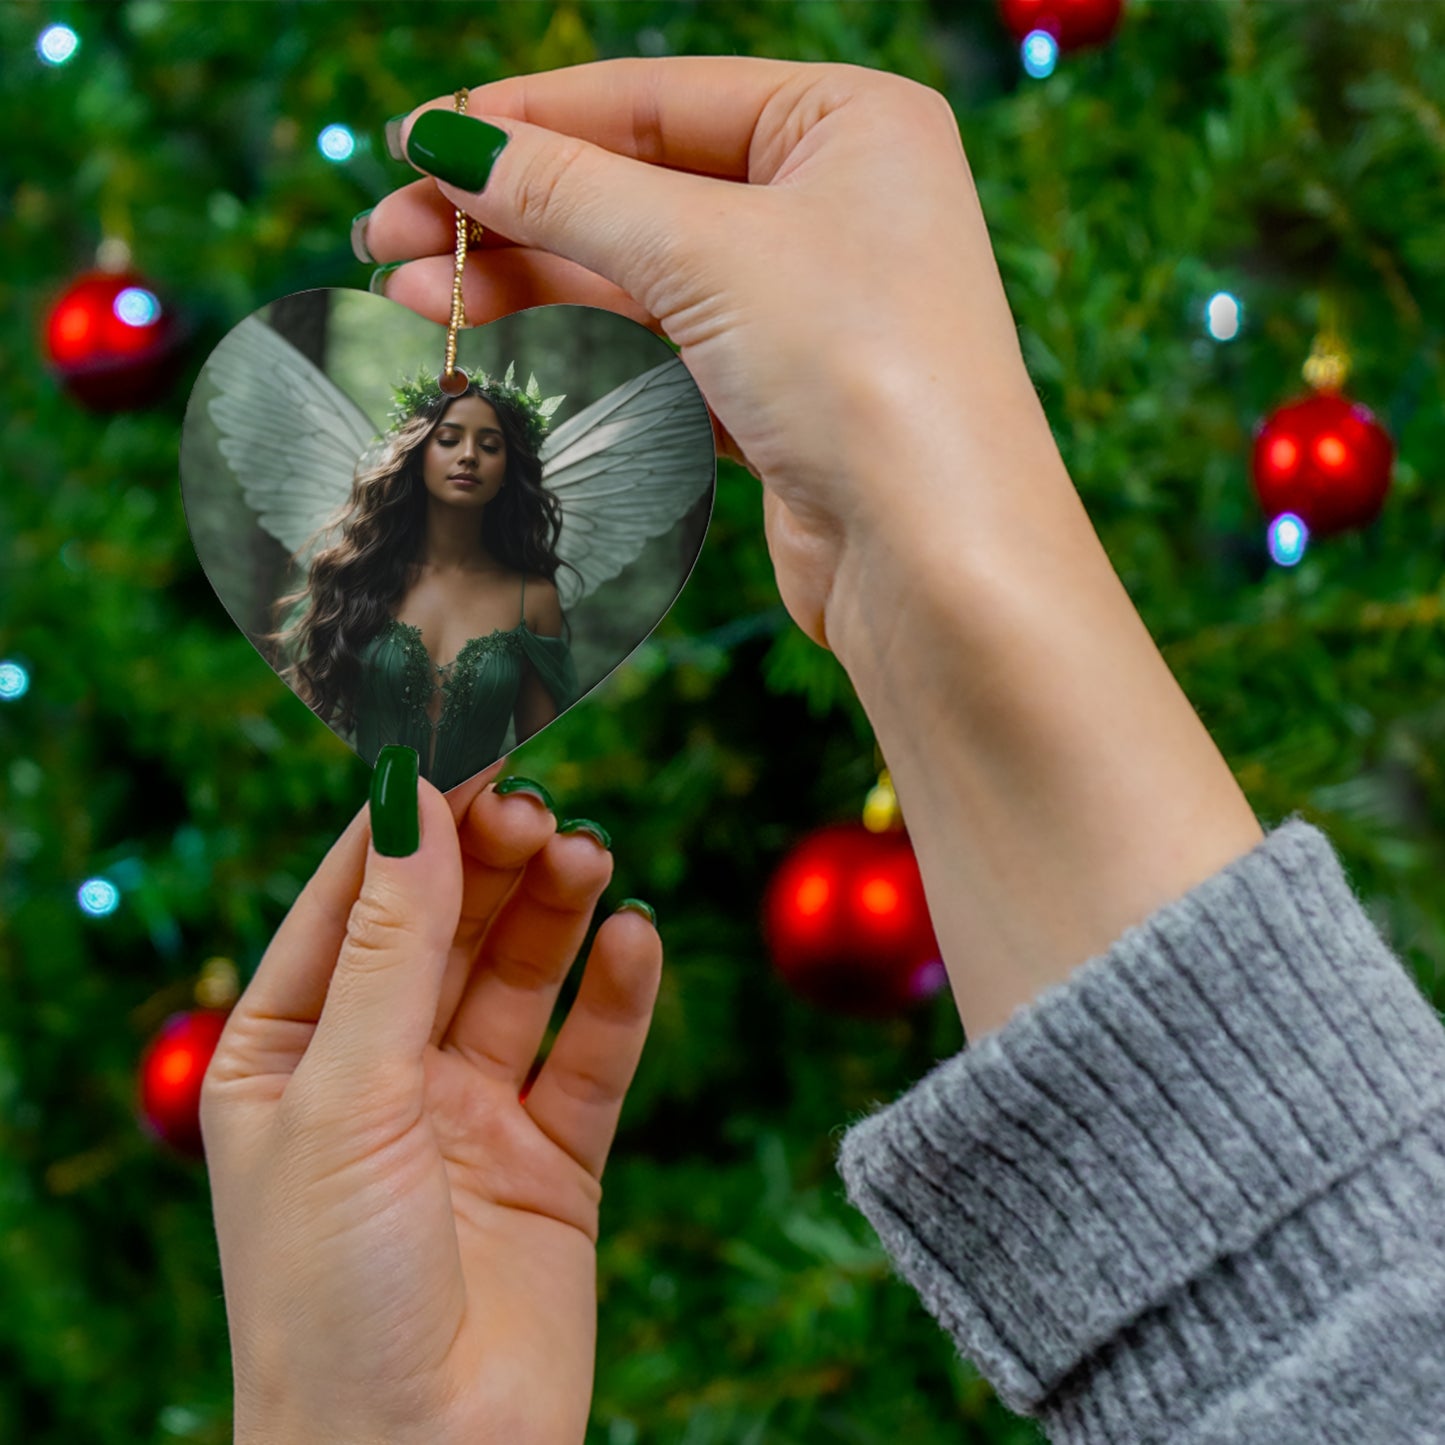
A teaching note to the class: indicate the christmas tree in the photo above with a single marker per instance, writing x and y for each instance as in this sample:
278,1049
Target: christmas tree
1180,212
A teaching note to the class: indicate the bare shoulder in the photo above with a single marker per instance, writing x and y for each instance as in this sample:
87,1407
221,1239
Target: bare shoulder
543,609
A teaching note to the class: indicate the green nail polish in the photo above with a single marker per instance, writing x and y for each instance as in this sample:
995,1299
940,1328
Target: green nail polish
393,136
636,905
377,285
358,237
526,785
395,815
586,825
455,148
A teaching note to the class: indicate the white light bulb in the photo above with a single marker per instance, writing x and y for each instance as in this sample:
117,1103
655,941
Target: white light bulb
1040,53
98,897
336,143
57,44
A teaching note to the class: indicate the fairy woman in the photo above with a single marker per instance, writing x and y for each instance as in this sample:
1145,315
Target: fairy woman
448,551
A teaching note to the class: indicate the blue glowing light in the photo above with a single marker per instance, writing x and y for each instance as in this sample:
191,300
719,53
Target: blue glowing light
1223,316
57,44
98,896
1040,53
336,143
1288,538
137,307
14,681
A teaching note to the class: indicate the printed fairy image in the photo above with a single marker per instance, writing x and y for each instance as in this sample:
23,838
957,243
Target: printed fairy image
456,572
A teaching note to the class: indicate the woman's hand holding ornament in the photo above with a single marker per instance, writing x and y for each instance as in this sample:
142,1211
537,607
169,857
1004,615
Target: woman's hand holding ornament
408,1246
810,236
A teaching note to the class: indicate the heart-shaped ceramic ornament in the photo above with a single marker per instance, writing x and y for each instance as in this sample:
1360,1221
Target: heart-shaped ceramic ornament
448,572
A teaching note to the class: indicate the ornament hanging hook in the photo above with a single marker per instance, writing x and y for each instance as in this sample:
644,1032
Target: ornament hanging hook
453,380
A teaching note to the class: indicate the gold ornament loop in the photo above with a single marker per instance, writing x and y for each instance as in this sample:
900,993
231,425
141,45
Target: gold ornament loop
453,381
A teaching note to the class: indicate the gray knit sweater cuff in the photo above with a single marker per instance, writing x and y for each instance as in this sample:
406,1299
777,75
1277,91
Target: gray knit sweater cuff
1137,1188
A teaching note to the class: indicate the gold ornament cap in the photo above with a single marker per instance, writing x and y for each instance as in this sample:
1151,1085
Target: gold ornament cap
881,813
1328,366
219,984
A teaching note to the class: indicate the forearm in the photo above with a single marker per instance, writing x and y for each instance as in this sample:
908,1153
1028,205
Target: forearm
1057,785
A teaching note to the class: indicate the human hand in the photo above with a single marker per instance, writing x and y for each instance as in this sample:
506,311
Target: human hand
842,312
408,1248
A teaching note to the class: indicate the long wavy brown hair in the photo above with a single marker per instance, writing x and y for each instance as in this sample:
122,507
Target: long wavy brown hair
354,584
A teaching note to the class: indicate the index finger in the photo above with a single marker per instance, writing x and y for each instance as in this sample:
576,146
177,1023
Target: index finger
294,974
698,113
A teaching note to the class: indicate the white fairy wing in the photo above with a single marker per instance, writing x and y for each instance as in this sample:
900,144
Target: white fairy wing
290,435
626,469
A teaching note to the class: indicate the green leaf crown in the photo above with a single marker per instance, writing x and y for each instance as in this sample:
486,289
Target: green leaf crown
535,409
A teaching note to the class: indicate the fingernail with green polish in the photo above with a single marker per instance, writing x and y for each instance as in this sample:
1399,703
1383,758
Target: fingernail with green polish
526,785
455,148
636,905
393,137
395,815
377,285
358,237
586,825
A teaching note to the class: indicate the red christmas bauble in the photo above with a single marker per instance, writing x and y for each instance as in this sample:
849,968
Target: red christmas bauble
1324,458
847,924
112,342
171,1072
1073,23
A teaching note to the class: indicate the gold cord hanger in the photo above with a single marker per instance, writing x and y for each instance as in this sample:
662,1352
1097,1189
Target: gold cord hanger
453,380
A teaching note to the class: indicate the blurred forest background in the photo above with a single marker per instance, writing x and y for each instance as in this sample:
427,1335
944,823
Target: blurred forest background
1283,153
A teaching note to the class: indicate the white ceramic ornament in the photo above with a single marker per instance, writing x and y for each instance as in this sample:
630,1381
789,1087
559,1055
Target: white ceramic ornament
448,572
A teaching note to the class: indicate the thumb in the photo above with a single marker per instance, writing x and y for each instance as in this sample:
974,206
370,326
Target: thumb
382,999
632,223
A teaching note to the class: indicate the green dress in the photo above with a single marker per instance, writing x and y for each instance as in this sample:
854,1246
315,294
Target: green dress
480,687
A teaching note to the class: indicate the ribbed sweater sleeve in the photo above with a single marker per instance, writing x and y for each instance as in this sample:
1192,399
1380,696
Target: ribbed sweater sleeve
1196,1192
